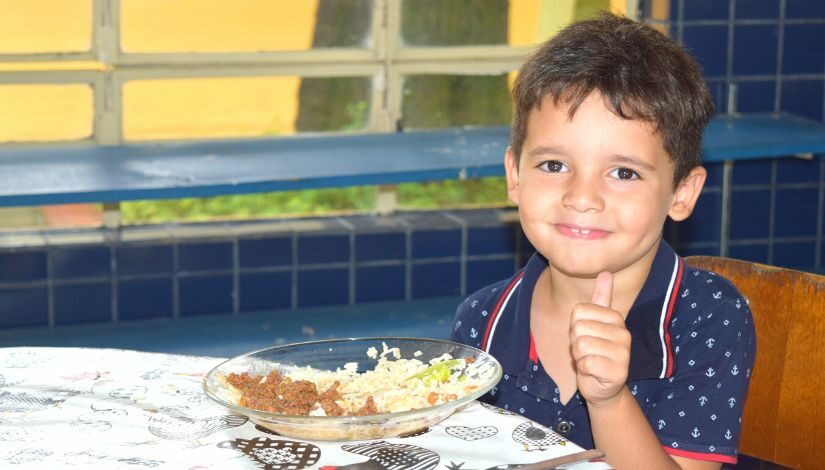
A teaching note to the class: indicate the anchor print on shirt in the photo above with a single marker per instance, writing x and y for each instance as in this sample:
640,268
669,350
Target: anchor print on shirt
271,454
384,455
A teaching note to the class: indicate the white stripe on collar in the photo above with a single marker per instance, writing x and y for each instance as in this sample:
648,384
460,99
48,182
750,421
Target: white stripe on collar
663,315
499,312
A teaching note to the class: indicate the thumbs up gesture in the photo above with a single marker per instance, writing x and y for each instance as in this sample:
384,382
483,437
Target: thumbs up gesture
600,345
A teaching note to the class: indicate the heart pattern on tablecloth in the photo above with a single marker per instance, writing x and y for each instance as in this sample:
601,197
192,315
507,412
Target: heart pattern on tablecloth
471,434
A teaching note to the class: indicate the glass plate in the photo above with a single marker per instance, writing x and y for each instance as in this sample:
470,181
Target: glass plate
331,355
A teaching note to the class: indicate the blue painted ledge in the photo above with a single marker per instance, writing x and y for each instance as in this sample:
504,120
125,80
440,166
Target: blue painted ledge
71,174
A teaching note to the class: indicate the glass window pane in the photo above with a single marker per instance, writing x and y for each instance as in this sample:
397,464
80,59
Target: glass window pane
247,26
491,22
46,112
33,26
437,101
247,106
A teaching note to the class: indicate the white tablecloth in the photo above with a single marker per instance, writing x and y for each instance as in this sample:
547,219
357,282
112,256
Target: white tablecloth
112,409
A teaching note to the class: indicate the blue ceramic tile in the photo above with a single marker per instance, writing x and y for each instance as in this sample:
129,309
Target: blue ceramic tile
757,9
714,170
804,48
485,272
754,49
755,97
755,253
323,287
204,295
718,90
674,9
21,307
78,262
707,9
266,291
436,279
380,246
436,243
803,97
314,249
799,256
204,256
380,283
491,240
804,9
751,172
750,214
144,259
83,303
262,252
796,212
23,266
709,44
798,170
144,298
704,224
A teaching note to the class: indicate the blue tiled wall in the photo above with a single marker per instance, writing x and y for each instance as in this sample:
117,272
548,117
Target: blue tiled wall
758,56
202,269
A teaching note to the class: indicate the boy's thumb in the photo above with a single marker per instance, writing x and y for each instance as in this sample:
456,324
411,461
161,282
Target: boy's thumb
603,290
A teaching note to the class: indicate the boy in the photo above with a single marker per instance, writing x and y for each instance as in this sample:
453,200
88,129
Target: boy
605,335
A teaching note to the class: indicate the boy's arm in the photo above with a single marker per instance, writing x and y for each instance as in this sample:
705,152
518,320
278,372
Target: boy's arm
622,432
600,345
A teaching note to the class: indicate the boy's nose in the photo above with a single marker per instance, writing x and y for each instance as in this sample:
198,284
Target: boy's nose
583,194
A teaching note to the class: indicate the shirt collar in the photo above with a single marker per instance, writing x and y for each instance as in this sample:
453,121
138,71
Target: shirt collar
651,354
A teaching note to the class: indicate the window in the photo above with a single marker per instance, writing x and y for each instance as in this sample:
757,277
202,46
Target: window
91,72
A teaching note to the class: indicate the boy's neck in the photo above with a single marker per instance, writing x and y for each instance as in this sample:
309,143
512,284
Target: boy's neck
563,291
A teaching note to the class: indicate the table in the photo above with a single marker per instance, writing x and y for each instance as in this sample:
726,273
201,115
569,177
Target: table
126,409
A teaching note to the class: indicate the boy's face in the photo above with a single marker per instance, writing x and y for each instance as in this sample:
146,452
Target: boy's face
594,192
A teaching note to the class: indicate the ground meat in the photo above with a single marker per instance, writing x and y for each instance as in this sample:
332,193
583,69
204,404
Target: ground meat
369,408
327,401
277,394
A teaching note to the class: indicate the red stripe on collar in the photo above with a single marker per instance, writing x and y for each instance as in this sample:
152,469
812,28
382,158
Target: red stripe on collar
534,356
498,309
666,327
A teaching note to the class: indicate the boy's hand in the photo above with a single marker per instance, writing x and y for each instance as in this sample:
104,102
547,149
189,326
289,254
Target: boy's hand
600,345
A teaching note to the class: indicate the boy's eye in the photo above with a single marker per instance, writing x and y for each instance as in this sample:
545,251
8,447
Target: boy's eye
553,166
624,174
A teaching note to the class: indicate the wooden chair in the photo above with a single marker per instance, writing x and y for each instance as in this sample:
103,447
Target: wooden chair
784,416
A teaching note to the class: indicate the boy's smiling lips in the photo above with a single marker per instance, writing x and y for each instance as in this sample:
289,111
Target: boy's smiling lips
580,232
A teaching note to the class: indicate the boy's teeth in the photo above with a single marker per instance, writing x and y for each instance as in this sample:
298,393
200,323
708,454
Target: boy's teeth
581,231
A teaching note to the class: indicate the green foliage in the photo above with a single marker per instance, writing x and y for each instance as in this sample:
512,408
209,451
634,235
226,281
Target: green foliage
432,195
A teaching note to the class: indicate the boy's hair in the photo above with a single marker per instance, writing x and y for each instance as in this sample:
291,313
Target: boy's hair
641,74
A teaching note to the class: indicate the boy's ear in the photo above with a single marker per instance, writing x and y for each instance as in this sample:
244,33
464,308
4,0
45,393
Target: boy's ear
686,194
511,168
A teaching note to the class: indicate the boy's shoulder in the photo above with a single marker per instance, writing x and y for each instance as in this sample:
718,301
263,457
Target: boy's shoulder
484,300
707,289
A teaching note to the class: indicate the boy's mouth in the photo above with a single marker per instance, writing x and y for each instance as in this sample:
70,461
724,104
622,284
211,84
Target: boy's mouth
581,233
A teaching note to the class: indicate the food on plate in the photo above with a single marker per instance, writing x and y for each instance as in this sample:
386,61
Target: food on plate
395,384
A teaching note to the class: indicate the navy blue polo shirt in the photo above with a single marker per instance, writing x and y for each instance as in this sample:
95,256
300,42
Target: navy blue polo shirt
692,350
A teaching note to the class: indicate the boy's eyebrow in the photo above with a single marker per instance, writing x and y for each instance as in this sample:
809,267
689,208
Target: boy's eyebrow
632,161
545,150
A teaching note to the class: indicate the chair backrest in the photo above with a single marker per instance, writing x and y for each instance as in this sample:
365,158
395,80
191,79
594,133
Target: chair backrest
784,416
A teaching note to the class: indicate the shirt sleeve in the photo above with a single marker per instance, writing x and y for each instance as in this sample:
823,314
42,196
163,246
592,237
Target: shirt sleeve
468,325
698,413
